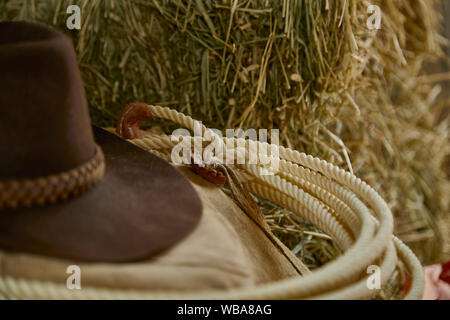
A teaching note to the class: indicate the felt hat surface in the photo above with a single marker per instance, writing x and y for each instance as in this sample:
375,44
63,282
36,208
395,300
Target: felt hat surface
67,189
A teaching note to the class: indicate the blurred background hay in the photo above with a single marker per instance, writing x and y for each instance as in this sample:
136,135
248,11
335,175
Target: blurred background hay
356,97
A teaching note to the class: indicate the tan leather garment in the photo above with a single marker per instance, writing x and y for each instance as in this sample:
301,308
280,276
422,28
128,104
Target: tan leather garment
226,250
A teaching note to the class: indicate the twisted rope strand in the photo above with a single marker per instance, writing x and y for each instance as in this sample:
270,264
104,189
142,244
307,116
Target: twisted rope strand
336,201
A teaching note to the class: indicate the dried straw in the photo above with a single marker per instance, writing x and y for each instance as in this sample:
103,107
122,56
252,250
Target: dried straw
311,68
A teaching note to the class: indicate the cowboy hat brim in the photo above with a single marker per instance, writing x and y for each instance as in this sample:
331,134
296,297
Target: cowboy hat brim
142,206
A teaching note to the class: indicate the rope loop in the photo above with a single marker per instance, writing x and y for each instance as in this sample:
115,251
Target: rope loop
351,212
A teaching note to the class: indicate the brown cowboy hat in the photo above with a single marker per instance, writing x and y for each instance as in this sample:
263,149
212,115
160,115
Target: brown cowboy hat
67,190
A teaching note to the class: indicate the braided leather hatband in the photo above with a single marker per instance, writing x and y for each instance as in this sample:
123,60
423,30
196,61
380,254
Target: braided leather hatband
51,189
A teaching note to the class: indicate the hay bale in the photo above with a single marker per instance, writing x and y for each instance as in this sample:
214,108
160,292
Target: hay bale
311,68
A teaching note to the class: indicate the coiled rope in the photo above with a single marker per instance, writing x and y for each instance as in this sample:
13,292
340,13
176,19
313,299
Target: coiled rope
336,201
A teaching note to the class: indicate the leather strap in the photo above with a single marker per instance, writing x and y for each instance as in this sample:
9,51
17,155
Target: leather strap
51,189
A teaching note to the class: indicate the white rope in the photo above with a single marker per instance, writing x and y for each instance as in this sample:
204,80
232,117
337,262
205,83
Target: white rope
342,205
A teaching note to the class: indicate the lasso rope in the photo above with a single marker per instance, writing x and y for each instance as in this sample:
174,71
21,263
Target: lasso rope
336,201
